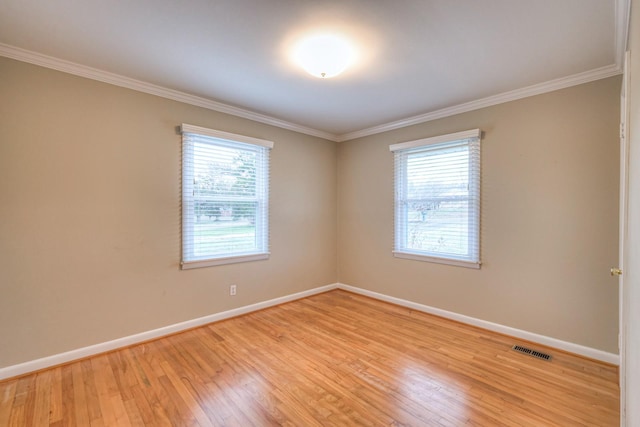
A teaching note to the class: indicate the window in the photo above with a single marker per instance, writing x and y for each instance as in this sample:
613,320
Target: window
437,199
225,197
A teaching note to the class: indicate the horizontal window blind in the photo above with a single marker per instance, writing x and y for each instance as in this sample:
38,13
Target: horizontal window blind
225,202
437,199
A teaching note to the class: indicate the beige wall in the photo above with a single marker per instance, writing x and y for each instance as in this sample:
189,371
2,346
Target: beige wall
90,215
549,217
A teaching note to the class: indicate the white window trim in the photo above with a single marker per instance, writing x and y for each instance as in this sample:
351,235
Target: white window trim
405,254
188,176
474,133
185,128
436,260
187,265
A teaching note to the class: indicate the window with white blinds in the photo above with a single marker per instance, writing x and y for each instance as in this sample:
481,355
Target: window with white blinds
225,197
437,199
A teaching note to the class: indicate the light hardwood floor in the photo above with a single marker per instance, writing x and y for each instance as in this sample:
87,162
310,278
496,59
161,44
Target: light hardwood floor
332,359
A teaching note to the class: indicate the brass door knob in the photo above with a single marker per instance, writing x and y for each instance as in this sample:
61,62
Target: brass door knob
616,271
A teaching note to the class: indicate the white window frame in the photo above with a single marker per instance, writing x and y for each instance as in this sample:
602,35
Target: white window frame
470,138
189,259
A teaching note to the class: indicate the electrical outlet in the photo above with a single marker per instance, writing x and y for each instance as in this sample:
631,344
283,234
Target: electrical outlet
232,290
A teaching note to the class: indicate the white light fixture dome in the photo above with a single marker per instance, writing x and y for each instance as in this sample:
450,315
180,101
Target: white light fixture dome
324,55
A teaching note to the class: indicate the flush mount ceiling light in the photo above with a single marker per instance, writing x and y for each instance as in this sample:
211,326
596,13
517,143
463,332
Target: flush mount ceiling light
324,55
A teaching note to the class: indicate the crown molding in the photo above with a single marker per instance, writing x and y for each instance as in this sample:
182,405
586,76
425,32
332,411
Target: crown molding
537,89
141,86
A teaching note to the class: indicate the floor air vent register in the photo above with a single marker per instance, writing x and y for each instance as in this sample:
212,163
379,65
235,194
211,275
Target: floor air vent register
530,352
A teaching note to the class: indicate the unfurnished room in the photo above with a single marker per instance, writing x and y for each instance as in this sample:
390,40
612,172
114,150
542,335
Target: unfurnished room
320,213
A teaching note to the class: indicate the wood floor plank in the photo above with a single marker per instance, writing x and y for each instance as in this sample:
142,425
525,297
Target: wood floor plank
80,395
150,389
23,402
42,399
193,361
6,401
149,409
333,359
108,394
292,390
187,398
133,413
56,410
86,378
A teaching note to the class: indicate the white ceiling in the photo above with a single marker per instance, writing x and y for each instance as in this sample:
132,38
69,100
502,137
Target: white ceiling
420,59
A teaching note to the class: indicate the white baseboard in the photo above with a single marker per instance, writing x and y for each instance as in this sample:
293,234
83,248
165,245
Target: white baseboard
69,356
581,350
81,353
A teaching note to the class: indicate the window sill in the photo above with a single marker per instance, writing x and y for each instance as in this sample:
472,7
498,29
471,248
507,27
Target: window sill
448,261
187,265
